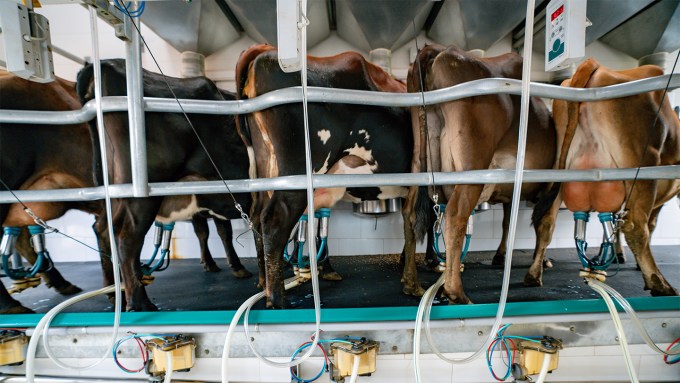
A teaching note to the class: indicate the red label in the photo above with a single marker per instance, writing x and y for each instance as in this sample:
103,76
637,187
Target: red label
557,12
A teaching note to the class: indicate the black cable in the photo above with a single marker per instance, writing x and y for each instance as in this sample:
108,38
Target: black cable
656,118
244,216
42,223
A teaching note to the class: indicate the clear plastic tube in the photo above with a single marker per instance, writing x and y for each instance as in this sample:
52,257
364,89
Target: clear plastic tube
425,306
597,286
44,324
635,319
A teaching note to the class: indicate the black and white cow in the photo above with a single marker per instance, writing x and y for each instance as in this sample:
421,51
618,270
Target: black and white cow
174,154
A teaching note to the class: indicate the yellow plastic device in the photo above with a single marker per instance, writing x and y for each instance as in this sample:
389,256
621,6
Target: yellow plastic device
343,357
180,347
12,347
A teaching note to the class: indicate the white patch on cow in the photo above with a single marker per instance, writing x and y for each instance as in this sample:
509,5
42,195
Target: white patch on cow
364,154
367,137
181,215
388,192
324,168
187,212
324,135
252,166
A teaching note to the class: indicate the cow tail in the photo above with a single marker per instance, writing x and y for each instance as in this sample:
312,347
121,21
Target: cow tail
416,83
422,206
85,82
579,80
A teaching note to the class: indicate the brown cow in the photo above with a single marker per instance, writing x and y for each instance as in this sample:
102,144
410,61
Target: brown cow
30,160
474,133
620,133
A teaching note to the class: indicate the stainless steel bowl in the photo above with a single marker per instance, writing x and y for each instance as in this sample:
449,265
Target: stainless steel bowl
377,207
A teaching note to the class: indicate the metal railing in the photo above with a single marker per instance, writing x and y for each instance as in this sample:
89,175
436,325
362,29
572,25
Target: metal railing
293,95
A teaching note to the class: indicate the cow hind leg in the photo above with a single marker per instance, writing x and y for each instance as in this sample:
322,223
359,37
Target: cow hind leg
409,275
255,216
278,219
202,232
499,257
637,234
226,235
461,204
544,229
130,229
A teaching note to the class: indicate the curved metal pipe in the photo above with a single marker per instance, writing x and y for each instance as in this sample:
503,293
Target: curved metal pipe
344,96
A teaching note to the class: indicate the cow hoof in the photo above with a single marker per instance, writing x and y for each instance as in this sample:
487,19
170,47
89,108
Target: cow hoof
414,291
458,300
141,307
547,264
532,281
332,276
17,310
498,260
69,290
621,258
660,287
211,268
278,304
241,274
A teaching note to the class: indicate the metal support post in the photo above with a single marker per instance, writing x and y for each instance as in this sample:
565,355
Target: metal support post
133,72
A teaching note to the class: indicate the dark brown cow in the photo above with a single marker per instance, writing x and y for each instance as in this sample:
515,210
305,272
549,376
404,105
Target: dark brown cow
345,139
174,154
620,133
474,133
31,160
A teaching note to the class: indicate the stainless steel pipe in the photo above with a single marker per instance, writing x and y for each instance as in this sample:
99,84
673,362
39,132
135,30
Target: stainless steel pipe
297,182
135,105
345,96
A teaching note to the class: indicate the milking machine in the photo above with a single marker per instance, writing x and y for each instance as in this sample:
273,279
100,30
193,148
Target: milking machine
12,263
438,229
594,273
297,258
595,267
162,238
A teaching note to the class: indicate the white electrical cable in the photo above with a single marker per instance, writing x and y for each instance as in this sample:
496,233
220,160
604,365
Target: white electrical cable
426,302
595,285
43,326
636,320
168,368
355,369
544,368
310,233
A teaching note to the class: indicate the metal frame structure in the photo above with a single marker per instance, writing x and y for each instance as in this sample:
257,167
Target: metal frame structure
292,95
315,94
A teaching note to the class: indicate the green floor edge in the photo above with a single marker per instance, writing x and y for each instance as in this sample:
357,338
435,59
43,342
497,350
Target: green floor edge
340,315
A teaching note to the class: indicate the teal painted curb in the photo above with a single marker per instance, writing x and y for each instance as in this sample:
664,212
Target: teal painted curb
371,314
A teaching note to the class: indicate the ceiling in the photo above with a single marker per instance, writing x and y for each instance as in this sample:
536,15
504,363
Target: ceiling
636,27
